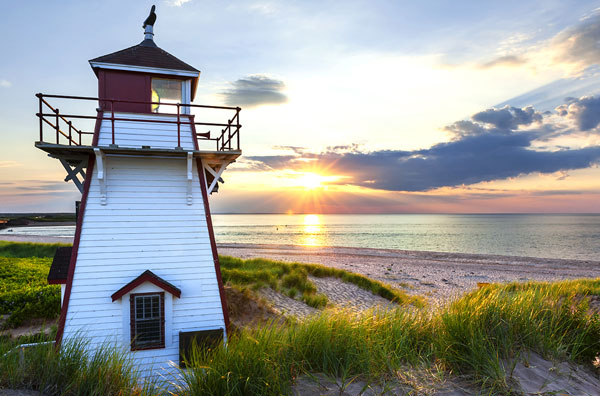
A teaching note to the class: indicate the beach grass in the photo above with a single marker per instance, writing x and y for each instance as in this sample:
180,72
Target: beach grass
70,370
292,279
477,337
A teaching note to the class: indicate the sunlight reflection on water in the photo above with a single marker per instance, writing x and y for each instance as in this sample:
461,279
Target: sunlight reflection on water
312,232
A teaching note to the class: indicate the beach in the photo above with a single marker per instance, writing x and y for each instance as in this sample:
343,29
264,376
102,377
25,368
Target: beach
435,275
438,276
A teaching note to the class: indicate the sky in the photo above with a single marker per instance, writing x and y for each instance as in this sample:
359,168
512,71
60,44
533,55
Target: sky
348,106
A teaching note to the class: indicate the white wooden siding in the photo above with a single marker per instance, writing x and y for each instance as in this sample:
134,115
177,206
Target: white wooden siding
145,133
146,224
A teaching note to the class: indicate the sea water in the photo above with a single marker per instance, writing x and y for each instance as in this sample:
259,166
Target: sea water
534,235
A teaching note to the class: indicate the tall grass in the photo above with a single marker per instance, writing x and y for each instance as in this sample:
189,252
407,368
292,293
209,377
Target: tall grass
70,371
476,336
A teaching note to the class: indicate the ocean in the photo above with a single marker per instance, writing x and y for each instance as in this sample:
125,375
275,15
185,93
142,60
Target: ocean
535,235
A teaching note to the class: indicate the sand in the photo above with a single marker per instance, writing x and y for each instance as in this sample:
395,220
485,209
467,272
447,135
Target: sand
439,276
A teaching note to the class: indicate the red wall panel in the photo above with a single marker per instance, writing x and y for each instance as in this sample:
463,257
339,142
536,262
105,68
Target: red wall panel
121,85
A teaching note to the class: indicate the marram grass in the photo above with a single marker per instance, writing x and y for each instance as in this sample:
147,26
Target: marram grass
292,279
70,370
476,337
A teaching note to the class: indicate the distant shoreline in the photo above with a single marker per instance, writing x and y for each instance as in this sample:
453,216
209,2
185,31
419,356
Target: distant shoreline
436,275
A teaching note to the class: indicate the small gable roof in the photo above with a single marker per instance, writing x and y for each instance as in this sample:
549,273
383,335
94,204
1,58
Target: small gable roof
59,269
147,276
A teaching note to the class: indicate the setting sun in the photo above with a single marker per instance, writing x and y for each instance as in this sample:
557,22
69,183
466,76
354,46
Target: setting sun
311,181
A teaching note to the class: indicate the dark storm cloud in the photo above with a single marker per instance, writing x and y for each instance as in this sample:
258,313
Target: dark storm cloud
488,147
255,90
508,117
585,111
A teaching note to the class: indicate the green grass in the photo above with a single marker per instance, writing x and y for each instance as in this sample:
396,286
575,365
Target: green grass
292,280
24,290
24,249
476,337
70,371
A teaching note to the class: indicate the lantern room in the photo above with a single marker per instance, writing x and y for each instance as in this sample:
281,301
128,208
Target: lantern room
145,74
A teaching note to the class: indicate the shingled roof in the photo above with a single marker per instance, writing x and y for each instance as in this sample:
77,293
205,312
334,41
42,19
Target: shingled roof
60,266
145,54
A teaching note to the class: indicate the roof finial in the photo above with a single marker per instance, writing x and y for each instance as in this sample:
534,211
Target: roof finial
149,24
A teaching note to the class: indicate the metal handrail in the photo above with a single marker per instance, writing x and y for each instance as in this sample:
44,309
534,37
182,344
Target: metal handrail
232,127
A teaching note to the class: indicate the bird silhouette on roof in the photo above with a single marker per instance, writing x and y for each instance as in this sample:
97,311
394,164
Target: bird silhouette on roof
151,18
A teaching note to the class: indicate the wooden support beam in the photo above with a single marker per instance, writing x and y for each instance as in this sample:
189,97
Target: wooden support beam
217,174
72,174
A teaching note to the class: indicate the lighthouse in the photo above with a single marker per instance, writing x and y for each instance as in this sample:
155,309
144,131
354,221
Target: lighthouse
143,272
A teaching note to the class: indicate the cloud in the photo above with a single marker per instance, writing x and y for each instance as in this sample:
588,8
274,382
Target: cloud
585,111
579,44
573,49
9,164
177,3
508,117
255,90
5,83
488,147
506,60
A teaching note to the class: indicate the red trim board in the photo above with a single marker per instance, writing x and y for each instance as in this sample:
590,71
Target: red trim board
146,276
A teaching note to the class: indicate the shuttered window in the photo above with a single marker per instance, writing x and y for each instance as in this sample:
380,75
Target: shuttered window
147,320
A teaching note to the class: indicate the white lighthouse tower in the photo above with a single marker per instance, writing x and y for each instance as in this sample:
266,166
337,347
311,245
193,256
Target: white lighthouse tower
143,272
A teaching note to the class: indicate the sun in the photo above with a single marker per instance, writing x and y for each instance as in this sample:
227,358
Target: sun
311,181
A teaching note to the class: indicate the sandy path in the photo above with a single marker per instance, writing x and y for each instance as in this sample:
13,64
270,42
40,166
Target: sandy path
437,275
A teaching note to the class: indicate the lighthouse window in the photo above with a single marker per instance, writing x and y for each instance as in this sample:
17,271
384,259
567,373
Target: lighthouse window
147,321
166,91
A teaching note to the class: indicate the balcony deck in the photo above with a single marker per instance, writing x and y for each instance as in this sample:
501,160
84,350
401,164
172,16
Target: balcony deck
136,134
77,152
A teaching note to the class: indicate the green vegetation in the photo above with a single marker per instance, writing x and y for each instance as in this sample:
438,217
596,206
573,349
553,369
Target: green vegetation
24,219
292,280
69,371
24,291
24,249
476,336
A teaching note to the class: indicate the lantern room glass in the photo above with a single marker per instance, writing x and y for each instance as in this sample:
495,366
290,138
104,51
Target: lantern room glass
166,91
